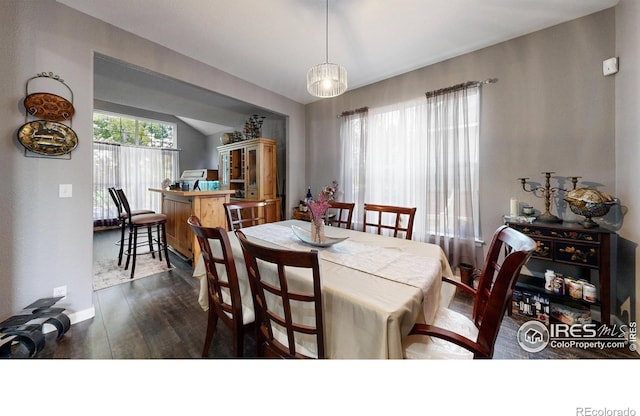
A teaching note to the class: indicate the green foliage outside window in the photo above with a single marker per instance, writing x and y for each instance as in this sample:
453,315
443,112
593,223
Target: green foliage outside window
133,132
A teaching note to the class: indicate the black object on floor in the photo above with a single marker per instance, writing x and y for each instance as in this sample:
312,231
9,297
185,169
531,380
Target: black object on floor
25,329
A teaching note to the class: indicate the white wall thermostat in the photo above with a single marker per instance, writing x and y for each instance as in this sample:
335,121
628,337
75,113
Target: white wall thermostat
610,66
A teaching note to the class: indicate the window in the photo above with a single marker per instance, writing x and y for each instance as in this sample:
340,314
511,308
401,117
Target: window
133,154
424,154
130,131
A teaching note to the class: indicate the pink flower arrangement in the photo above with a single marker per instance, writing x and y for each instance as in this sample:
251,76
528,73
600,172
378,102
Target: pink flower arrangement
329,191
319,207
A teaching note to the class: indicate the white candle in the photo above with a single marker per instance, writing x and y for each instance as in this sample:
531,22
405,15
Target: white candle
514,207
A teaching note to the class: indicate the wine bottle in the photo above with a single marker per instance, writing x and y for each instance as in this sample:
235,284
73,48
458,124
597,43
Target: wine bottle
309,197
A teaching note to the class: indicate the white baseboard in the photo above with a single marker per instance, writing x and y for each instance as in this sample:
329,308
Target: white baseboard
82,315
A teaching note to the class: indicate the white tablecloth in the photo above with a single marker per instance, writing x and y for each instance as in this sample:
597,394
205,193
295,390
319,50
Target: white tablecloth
374,287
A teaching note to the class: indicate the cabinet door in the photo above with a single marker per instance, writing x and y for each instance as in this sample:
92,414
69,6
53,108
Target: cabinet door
267,171
272,213
177,229
224,169
236,164
253,172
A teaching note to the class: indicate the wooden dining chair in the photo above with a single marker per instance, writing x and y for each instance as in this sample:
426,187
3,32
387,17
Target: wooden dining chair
453,335
148,222
402,219
225,302
245,214
123,216
278,306
343,214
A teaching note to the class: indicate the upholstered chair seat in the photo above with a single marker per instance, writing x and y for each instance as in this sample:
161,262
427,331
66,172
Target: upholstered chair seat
421,347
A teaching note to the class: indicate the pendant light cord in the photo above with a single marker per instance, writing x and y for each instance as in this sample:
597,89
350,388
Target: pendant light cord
327,35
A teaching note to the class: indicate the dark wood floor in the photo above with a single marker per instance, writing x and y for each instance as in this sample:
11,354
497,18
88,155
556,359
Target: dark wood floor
159,317
153,317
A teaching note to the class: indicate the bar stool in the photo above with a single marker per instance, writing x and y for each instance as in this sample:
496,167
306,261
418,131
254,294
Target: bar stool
147,221
122,219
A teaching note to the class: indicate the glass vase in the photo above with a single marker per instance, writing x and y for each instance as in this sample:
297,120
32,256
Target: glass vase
317,230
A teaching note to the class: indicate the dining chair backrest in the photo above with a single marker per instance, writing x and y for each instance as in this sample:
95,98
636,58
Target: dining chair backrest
242,214
223,293
396,219
507,254
279,307
343,214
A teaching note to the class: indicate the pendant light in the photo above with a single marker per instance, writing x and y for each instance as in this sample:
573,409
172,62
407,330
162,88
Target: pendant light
327,80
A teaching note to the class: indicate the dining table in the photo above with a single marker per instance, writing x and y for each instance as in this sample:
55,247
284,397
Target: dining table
374,287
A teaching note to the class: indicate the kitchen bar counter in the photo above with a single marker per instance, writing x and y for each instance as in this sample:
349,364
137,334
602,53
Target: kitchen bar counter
179,205
191,193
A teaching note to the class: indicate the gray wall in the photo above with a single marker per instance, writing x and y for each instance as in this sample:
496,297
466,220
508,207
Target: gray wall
551,110
47,241
628,149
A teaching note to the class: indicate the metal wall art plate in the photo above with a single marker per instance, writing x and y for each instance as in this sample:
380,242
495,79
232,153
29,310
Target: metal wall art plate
49,107
47,137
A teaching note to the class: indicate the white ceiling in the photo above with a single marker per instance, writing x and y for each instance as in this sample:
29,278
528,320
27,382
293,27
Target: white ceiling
272,43
204,127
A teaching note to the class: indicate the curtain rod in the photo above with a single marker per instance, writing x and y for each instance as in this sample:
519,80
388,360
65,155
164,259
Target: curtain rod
352,112
138,147
458,87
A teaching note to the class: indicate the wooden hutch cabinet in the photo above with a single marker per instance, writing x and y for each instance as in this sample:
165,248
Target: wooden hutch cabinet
249,169
587,249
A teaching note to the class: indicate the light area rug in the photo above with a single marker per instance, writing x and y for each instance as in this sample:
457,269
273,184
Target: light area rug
107,273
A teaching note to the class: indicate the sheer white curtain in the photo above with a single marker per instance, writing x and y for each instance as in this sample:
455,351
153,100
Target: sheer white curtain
143,168
453,121
135,170
105,175
352,179
421,154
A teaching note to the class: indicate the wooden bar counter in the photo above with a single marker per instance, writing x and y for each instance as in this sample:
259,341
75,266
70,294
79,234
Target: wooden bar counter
179,205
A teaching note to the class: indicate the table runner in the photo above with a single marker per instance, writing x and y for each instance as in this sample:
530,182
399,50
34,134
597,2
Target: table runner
386,262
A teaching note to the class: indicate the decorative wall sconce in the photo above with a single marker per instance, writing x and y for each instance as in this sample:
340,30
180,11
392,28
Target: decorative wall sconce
48,136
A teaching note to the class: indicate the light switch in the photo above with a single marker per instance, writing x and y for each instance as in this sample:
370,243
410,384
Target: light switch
66,190
609,66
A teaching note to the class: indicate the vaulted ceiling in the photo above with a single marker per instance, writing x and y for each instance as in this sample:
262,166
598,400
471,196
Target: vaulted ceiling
272,43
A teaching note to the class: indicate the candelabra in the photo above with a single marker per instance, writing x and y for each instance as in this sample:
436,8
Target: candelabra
253,126
546,192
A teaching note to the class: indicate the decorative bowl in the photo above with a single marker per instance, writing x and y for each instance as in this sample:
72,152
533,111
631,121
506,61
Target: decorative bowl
305,237
589,203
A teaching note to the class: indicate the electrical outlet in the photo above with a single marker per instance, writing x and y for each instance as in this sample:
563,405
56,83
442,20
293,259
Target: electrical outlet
60,291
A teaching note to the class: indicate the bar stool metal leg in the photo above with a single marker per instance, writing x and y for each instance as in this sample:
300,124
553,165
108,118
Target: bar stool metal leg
135,251
159,236
129,242
123,224
164,243
150,237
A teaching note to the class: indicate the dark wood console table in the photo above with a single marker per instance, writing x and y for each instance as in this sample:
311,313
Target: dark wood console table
572,244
